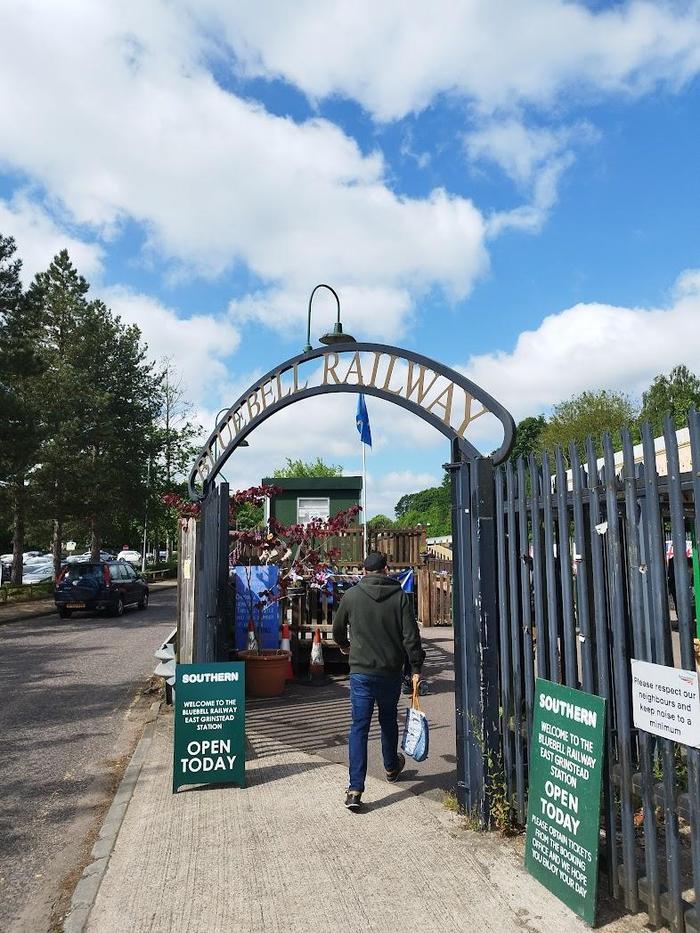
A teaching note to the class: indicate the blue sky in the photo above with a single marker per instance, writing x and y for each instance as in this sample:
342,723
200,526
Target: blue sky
511,188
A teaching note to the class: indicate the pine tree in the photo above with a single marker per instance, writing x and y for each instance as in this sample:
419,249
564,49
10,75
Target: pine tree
117,437
20,366
59,294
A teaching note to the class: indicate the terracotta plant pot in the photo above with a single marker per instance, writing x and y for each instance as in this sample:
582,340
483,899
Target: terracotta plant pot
265,673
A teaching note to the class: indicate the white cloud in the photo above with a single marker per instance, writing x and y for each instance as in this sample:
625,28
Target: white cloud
535,158
594,346
144,132
395,57
198,345
522,150
531,217
39,238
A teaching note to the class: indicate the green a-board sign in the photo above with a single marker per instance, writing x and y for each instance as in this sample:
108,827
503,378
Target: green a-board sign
563,813
209,745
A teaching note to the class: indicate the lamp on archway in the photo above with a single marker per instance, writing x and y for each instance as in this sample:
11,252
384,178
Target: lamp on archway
334,336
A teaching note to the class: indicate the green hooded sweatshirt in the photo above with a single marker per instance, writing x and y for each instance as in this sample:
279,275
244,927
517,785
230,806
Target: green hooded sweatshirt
382,627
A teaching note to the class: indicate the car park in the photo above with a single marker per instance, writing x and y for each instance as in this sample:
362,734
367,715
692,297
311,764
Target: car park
96,586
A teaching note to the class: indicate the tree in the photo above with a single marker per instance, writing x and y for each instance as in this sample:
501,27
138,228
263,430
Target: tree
20,366
590,413
379,522
430,507
527,437
248,515
300,468
674,394
120,394
176,439
59,296
101,399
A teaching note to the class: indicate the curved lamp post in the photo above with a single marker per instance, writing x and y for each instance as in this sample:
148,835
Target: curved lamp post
334,336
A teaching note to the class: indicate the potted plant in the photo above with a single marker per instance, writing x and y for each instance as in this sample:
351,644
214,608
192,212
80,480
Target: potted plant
265,668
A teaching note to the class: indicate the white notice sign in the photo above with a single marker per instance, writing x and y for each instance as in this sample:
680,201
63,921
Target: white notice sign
666,702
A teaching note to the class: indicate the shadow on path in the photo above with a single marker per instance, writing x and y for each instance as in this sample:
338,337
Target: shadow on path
315,719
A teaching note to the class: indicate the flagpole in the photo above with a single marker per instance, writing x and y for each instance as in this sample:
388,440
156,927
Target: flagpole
364,494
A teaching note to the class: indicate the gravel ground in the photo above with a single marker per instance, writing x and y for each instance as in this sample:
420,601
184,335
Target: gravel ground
69,716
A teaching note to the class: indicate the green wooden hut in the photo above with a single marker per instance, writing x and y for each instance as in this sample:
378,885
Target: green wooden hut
307,497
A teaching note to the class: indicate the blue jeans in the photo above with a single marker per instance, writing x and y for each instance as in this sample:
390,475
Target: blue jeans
365,691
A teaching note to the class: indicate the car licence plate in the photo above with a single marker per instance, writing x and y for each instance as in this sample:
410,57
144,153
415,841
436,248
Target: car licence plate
75,605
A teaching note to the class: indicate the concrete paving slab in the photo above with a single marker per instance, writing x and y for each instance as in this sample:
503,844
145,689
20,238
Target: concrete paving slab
316,719
284,855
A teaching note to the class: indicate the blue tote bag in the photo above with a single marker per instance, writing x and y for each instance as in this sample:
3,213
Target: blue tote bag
416,732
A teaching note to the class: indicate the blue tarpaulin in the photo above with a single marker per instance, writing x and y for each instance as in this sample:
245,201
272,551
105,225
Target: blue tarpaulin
405,578
261,578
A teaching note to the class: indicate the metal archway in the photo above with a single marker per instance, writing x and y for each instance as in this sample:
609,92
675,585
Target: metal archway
441,396
444,399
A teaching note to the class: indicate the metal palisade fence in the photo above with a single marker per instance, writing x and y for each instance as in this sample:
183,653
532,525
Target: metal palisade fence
595,565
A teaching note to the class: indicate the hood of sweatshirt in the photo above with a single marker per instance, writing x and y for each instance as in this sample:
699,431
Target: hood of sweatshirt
379,587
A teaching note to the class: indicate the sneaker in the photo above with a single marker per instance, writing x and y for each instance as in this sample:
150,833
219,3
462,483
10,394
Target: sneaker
393,776
353,799
406,687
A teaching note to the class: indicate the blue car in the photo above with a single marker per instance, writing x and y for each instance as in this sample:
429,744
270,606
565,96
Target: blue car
96,586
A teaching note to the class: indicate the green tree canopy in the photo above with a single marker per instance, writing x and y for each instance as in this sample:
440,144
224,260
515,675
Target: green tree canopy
588,413
430,507
380,521
528,433
674,394
300,468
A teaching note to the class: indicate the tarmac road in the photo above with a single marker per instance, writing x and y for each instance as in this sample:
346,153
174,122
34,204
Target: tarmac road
68,718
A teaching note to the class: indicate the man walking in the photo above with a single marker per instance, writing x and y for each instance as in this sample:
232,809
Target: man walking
383,629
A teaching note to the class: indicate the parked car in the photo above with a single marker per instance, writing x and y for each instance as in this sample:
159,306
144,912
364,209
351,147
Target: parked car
99,585
37,560
133,557
37,573
77,558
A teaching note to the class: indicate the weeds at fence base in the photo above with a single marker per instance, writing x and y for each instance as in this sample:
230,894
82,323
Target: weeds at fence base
450,802
501,809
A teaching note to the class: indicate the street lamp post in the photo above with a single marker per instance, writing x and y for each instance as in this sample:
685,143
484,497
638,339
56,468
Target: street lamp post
334,336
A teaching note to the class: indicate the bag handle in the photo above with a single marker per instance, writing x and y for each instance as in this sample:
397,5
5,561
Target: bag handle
415,702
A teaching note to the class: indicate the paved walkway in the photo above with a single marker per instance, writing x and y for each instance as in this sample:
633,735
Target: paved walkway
284,855
316,719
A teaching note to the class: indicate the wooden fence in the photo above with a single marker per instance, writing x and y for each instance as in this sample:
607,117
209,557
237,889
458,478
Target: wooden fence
434,588
402,546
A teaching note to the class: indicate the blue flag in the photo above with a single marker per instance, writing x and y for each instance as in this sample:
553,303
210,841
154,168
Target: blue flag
362,421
